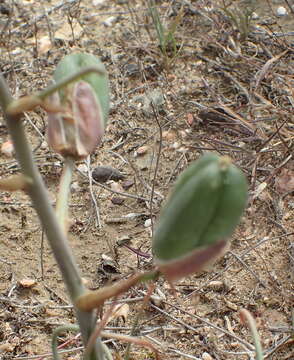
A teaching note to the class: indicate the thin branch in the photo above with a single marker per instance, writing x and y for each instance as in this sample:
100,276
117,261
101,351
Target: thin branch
156,164
42,204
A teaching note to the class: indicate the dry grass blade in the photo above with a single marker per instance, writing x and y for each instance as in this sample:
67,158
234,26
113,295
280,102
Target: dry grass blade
239,76
266,68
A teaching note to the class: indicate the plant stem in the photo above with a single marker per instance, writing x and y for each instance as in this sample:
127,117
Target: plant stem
55,334
27,103
41,202
67,80
252,326
63,194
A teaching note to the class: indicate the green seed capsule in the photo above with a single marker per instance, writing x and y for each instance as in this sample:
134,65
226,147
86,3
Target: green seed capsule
75,62
203,209
77,128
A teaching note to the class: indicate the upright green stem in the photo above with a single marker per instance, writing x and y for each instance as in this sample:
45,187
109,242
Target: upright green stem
55,234
252,326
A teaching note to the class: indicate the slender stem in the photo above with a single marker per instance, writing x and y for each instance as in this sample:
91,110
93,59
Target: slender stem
67,80
40,199
55,334
63,194
99,327
95,298
26,103
252,325
137,318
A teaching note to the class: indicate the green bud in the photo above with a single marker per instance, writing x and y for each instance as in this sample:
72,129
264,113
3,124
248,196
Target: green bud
201,213
73,63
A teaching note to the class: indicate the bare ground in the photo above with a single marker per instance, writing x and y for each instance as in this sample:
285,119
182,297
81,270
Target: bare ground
221,93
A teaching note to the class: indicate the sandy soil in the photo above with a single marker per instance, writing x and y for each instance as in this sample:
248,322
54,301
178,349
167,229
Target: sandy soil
224,91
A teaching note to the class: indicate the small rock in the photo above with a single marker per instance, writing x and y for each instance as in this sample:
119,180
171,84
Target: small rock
117,200
281,11
125,239
206,356
142,150
110,21
190,119
132,216
231,305
127,184
131,69
98,2
83,168
27,283
102,174
183,133
7,149
44,145
44,45
57,164
216,285
254,16
115,186
108,265
75,186
158,297
147,223
176,145
182,149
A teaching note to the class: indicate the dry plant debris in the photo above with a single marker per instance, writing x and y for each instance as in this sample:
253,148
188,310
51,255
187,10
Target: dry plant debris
221,93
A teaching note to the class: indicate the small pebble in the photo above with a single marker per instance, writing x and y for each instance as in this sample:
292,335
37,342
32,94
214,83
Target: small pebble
142,150
117,200
254,16
115,186
44,145
190,119
127,184
147,223
132,215
98,2
231,305
102,174
7,149
182,149
216,285
83,168
176,145
206,356
110,21
131,69
125,239
281,11
75,187
27,282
